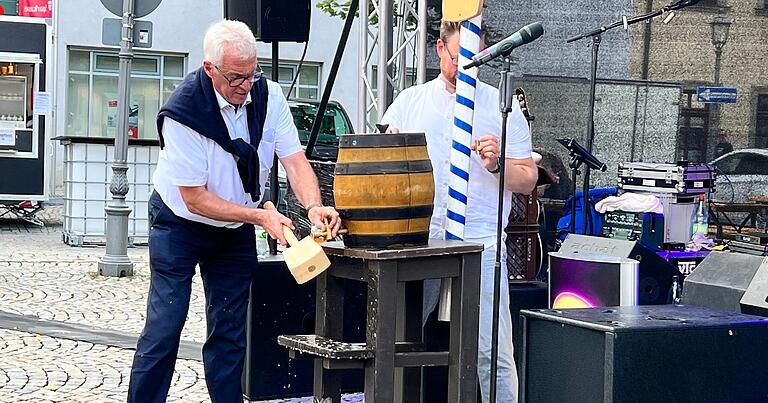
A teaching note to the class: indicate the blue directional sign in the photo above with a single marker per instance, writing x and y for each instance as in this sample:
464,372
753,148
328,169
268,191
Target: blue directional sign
718,95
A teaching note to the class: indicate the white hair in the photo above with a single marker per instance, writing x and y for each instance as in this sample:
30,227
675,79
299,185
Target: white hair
234,36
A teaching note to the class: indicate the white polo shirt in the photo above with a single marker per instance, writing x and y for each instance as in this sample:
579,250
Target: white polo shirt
190,159
428,108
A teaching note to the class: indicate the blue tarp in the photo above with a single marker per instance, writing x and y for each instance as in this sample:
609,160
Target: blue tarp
595,195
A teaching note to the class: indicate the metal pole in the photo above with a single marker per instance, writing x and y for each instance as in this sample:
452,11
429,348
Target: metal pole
362,62
714,123
274,181
116,263
421,44
385,90
718,58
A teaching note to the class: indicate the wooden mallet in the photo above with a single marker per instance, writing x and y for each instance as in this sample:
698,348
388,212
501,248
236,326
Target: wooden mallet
305,259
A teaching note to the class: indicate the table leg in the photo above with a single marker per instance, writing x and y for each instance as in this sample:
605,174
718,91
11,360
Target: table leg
380,330
462,371
412,332
329,322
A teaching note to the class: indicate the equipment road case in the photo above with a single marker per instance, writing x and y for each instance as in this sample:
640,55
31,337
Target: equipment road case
666,178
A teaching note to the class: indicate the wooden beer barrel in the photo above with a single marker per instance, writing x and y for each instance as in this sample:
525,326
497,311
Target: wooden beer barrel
384,190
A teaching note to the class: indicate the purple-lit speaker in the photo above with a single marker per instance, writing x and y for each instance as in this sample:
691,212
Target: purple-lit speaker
584,280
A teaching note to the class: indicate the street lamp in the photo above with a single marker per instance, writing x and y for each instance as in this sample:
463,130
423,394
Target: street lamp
720,29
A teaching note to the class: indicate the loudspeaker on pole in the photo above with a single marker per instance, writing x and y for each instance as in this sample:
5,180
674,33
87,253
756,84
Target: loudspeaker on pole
272,20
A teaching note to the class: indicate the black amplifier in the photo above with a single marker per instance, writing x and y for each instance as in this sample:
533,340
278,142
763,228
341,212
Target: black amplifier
748,248
755,239
646,228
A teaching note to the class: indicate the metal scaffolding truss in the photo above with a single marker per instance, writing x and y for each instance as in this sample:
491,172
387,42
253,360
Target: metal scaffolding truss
391,30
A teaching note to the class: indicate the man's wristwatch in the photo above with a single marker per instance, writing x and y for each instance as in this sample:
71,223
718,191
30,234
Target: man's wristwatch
497,169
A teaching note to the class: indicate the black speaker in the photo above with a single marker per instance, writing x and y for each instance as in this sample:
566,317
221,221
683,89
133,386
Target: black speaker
655,277
272,20
720,280
661,353
755,299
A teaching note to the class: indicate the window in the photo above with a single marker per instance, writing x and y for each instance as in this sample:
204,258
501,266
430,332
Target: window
91,105
308,84
694,126
9,7
761,121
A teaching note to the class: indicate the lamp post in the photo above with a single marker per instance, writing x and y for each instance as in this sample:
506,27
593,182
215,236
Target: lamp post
116,263
720,30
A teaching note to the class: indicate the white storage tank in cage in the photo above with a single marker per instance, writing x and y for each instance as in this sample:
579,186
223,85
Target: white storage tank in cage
87,175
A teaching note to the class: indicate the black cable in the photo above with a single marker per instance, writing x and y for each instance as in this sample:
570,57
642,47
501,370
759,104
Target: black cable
733,191
298,70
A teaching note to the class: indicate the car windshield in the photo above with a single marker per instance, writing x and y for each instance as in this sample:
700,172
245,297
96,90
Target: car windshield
332,125
743,164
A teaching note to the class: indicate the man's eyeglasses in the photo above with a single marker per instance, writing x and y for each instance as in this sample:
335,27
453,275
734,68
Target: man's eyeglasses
238,81
454,59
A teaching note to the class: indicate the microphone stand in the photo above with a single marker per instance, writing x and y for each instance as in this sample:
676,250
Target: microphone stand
596,38
506,94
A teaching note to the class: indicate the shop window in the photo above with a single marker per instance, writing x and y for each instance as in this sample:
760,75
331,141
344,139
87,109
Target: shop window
761,121
308,84
91,106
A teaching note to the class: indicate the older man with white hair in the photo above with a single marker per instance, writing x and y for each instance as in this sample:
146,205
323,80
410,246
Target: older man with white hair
218,132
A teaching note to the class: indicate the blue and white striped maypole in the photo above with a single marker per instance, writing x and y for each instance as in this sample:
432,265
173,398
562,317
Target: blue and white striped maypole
463,114
461,151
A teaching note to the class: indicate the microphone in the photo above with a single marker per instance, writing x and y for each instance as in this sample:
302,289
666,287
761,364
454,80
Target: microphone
577,150
526,34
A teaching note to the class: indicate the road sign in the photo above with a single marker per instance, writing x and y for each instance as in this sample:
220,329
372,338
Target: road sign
140,7
717,95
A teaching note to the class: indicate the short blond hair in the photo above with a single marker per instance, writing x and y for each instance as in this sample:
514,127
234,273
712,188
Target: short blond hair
230,35
448,28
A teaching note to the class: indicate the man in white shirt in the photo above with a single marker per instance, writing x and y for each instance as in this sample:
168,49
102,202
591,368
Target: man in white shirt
218,132
429,108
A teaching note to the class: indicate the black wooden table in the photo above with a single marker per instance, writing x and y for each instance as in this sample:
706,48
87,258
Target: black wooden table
394,320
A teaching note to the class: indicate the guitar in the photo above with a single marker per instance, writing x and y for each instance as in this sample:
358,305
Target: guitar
520,95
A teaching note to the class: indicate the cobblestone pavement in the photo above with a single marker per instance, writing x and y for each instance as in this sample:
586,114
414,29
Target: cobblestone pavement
41,278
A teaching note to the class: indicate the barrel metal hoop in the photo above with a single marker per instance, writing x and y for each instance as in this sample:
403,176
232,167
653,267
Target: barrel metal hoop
384,167
390,140
386,213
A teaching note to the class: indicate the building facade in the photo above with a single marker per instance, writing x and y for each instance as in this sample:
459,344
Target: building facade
683,51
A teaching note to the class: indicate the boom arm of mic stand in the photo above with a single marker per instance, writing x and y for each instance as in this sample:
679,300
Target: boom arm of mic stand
620,23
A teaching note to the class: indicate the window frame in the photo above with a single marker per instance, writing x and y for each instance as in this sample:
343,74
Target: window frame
266,65
93,71
688,134
761,116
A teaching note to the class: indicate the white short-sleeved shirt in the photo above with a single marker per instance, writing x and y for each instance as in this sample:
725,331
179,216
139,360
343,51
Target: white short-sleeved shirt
190,159
428,108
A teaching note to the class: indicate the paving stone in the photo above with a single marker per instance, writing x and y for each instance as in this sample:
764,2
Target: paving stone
42,277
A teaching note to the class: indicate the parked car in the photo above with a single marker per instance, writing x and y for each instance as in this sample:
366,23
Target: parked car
741,174
335,123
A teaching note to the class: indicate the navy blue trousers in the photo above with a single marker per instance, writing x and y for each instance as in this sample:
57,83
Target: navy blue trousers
227,259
